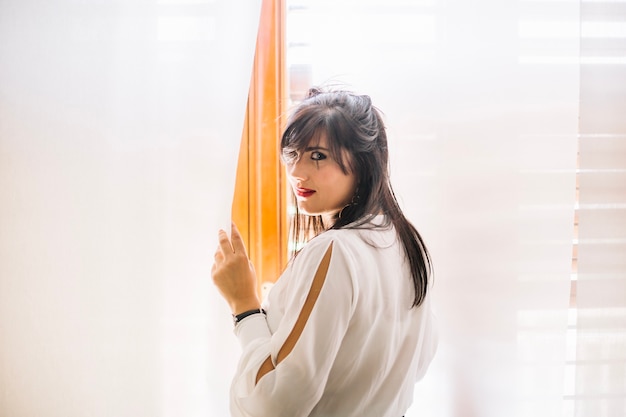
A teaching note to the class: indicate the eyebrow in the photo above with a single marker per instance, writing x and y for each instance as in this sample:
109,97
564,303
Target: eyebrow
315,148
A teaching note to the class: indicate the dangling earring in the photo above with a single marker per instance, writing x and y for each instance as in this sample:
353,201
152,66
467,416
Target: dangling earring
354,202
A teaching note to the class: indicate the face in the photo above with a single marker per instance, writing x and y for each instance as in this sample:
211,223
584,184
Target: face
319,184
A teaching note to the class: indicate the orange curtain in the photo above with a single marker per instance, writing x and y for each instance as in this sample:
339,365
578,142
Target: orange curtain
259,204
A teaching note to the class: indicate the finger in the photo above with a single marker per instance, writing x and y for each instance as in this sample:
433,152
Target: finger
237,241
225,245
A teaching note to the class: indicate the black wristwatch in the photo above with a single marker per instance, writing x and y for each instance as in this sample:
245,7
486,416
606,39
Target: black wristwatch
237,318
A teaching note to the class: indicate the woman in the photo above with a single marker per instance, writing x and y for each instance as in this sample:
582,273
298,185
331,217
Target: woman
347,329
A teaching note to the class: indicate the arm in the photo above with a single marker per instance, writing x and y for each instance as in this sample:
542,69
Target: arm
305,313
284,374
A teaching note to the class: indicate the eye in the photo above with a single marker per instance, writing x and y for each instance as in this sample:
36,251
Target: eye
317,156
289,157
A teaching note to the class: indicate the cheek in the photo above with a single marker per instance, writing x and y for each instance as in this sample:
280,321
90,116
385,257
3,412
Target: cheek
347,186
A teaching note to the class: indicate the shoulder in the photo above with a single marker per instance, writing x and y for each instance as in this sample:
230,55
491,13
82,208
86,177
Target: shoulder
343,241
345,247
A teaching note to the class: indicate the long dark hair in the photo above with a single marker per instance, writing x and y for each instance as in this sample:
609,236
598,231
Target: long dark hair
350,122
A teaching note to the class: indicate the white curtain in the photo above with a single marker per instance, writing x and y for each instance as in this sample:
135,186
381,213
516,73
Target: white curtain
120,123
482,102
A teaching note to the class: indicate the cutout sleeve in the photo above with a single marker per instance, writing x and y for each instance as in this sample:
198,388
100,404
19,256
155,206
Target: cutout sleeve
284,373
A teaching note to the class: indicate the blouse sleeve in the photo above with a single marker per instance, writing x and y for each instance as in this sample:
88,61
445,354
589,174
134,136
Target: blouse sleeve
306,342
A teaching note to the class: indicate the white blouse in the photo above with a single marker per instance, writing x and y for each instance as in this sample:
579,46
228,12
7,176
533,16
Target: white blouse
362,348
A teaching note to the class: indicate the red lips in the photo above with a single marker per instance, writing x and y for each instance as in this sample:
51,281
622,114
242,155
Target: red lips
304,192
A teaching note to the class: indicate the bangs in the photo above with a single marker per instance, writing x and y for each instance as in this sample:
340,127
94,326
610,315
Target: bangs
306,129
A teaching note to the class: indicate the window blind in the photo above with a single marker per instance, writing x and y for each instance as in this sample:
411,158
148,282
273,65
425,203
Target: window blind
600,361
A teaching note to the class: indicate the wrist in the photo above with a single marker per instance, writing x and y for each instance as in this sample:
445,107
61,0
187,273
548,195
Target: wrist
241,307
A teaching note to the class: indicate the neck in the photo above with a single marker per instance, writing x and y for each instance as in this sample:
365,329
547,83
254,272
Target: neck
328,220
